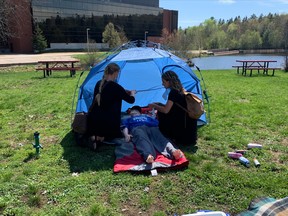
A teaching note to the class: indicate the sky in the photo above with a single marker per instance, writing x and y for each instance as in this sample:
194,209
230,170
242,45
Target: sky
194,12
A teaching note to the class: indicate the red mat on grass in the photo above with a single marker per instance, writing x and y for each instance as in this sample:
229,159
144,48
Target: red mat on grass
128,159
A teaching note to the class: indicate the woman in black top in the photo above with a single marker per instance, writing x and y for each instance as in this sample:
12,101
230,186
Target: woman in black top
104,116
174,122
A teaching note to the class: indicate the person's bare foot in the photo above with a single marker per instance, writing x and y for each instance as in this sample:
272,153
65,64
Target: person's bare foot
177,154
150,159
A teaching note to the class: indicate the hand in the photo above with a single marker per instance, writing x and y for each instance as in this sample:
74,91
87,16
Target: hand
128,137
151,106
132,93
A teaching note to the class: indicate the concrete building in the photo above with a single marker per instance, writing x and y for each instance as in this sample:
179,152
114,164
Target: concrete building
92,15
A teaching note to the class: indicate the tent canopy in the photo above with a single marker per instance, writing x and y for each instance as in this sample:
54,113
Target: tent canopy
141,69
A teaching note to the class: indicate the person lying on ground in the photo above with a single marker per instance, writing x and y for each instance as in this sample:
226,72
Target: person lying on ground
143,131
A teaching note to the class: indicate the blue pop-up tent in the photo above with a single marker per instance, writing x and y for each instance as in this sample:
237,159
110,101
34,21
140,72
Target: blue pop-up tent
141,70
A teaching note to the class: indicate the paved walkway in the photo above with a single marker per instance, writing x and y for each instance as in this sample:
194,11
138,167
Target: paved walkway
18,59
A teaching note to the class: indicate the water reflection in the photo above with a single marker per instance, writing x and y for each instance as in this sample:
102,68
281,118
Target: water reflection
226,62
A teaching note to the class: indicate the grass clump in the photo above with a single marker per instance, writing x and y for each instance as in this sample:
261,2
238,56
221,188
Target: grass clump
68,180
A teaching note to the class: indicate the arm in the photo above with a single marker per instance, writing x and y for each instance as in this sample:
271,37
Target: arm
128,96
164,109
126,134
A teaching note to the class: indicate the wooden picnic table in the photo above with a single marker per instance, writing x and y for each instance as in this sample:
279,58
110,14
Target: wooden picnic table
58,65
258,65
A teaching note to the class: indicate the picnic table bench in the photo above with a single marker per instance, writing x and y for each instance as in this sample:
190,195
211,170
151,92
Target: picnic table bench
58,65
258,65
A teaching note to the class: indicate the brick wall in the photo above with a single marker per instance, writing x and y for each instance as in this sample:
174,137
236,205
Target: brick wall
21,26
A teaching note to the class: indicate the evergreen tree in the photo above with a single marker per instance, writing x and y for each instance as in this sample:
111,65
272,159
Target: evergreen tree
111,36
39,41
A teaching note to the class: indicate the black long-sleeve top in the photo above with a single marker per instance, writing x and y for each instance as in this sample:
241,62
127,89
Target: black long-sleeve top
105,119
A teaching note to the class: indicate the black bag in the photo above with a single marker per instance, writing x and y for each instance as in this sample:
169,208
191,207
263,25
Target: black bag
79,124
195,107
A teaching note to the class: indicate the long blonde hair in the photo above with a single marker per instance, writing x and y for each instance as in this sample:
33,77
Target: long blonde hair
174,80
109,70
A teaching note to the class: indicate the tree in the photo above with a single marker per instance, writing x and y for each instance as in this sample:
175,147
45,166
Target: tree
285,33
165,37
275,39
10,15
209,28
4,30
39,41
218,40
233,33
111,36
122,35
200,38
176,41
250,40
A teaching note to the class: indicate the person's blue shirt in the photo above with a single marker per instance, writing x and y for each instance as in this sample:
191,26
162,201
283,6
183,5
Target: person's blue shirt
139,120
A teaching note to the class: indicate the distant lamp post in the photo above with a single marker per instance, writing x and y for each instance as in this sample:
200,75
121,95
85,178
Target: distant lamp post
87,30
145,36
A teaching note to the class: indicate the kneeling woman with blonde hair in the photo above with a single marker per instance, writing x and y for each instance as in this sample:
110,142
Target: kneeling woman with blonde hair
104,116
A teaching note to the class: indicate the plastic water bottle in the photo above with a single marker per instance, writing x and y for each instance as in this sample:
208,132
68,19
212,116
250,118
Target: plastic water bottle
153,113
254,145
234,155
256,162
244,161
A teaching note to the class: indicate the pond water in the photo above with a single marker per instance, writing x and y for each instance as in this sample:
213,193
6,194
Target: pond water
226,62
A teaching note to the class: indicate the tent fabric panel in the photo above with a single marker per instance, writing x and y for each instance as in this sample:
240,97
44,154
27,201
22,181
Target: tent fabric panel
144,77
142,53
86,93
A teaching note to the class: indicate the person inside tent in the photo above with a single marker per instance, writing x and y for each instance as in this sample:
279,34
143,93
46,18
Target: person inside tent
104,116
143,131
174,122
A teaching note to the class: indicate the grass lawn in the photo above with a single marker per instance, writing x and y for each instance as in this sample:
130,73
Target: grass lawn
68,180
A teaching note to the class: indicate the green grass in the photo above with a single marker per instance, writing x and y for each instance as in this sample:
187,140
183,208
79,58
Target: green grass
69,180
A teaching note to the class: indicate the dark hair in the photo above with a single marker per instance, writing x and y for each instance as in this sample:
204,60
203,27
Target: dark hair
138,108
174,80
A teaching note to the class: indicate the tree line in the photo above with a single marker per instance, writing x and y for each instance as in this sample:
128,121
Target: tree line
263,32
